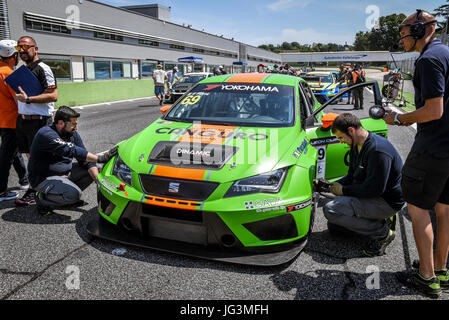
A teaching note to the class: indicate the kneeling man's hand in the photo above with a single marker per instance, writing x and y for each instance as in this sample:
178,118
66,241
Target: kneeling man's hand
337,189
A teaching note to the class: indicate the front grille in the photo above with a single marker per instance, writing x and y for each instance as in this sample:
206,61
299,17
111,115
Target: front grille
172,213
177,188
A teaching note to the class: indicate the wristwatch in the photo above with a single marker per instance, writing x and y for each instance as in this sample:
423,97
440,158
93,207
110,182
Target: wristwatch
27,100
396,119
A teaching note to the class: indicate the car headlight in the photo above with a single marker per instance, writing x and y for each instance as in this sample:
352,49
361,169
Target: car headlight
270,182
122,171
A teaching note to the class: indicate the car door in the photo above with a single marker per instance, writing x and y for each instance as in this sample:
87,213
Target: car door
333,156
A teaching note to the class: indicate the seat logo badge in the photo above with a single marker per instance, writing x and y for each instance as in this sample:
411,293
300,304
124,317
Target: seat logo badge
173,187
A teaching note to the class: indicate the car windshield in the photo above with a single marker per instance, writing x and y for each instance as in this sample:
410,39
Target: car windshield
191,79
256,105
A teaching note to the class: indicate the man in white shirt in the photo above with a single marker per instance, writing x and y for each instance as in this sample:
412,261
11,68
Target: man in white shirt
173,76
159,77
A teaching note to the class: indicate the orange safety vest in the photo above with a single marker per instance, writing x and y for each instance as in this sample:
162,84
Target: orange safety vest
356,75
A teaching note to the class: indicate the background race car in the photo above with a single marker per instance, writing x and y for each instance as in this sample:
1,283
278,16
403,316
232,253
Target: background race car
184,84
226,173
324,84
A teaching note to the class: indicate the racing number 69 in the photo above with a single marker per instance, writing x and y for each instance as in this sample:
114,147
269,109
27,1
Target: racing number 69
191,100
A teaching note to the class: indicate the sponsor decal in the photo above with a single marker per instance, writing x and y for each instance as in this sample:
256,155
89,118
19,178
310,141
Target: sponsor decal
302,149
108,186
142,156
298,206
211,132
197,153
261,204
211,87
241,87
324,141
352,57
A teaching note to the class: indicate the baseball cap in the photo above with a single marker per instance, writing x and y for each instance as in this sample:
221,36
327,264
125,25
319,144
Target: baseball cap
159,66
7,48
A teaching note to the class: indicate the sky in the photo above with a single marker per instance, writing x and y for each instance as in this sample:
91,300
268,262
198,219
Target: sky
257,22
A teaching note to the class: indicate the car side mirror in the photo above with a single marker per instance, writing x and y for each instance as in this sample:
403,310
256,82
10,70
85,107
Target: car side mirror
377,112
164,109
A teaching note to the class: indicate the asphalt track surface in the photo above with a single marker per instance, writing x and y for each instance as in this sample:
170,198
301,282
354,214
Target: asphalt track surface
41,256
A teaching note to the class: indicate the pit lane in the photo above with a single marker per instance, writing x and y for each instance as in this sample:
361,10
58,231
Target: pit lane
41,255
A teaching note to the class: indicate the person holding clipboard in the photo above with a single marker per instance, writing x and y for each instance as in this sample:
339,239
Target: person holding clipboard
36,111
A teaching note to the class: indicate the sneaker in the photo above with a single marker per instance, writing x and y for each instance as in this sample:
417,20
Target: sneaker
443,276
430,287
24,184
378,247
8,195
41,209
28,198
44,211
392,221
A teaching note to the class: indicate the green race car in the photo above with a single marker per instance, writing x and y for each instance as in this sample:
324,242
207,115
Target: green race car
226,173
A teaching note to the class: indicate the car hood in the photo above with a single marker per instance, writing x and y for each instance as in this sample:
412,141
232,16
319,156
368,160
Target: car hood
216,152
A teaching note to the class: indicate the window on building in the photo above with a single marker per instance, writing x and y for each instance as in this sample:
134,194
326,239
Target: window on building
121,69
48,27
108,36
61,67
97,70
148,68
177,47
149,43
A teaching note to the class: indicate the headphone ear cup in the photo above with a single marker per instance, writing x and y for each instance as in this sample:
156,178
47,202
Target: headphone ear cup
417,30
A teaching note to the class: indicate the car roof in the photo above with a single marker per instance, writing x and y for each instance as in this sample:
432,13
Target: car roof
320,73
255,78
198,73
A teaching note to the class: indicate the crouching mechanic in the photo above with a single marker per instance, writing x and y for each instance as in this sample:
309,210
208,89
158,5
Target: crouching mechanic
58,181
370,194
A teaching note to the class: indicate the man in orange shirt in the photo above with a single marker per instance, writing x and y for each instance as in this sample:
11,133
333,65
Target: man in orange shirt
8,117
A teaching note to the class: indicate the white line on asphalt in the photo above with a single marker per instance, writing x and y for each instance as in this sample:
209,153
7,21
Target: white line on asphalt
112,102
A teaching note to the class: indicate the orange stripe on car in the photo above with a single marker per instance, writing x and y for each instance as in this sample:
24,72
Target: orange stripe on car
172,203
248,78
180,173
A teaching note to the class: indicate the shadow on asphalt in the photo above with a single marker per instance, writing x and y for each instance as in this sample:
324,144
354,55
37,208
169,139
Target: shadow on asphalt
318,285
28,215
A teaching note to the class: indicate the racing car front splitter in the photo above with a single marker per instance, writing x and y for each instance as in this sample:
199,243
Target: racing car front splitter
208,238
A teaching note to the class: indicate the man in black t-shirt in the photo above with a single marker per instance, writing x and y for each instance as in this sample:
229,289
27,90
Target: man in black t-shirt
426,171
34,112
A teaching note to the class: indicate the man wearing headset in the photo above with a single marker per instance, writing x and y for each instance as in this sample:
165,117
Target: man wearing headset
425,175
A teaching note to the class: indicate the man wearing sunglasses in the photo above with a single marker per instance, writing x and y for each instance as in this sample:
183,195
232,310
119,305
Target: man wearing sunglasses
34,112
425,175
58,181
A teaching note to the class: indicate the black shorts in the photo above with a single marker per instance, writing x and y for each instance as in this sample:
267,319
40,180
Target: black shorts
425,180
26,129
